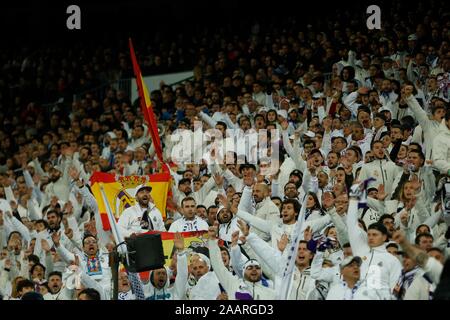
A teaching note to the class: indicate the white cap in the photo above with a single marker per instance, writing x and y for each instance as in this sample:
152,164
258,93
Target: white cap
310,134
249,263
318,95
111,134
282,113
412,37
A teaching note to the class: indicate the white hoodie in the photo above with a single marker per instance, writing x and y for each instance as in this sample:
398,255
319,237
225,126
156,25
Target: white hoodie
380,270
441,149
168,292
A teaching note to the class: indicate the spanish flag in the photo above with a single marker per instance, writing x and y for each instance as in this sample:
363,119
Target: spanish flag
192,240
146,105
120,192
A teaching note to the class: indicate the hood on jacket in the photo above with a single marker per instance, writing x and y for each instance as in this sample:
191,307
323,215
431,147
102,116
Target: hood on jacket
151,282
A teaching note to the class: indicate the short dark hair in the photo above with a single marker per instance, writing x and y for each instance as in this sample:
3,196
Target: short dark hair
294,202
54,273
53,211
201,206
384,217
184,180
419,152
92,294
422,235
44,222
88,235
212,207
221,123
187,199
375,141
378,226
37,265
33,258
24,284
11,234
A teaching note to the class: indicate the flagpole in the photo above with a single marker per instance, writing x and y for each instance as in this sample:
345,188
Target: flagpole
112,222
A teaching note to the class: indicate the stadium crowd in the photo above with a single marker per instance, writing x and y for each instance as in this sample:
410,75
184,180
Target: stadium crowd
354,108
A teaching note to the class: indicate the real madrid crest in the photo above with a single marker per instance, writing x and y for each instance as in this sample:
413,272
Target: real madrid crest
124,198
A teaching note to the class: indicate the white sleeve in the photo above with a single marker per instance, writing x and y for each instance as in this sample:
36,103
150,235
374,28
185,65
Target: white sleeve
9,195
245,204
321,113
287,144
339,224
233,180
182,276
205,189
439,154
318,272
122,225
88,282
33,212
419,113
65,254
434,269
226,279
38,168
263,225
37,194
271,256
276,192
357,241
20,227
317,224
236,260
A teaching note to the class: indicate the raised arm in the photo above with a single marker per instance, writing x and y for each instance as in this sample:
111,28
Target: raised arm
271,256
419,113
245,204
182,268
226,279
357,238
318,272
429,264
65,254
260,224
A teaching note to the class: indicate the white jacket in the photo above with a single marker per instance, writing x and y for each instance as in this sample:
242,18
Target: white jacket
276,230
266,211
338,289
380,270
170,292
441,149
420,289
183,225
129,221
100,273
232,284
430,128
383,171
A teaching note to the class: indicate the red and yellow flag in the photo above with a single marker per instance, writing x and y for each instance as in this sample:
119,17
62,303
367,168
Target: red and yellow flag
146,105
120,192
